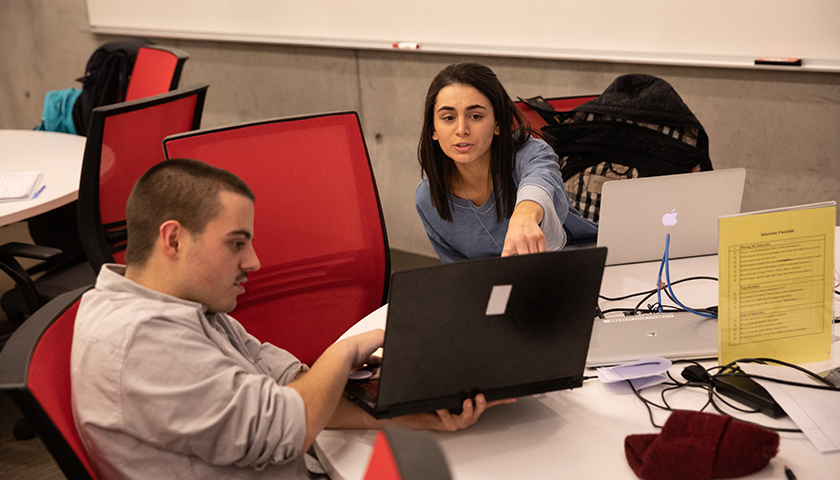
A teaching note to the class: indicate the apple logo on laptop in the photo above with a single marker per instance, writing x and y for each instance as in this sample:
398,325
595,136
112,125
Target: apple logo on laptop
670,219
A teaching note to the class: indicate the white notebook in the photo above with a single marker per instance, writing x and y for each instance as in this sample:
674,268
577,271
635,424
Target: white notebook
18,185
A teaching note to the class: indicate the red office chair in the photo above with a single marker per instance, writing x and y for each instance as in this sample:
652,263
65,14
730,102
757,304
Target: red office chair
406,455
319,230
123,142
156,70
560,104
35,372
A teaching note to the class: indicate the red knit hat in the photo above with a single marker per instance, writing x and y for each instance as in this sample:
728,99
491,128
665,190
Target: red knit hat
700,446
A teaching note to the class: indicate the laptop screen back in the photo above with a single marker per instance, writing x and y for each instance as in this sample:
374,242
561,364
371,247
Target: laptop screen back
503,326
636,214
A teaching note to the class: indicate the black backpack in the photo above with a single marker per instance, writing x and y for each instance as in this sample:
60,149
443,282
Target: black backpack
106,79
638,127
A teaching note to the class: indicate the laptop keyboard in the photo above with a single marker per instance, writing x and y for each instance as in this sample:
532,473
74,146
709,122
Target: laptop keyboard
371,386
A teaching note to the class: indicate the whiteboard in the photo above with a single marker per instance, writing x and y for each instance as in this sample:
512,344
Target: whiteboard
727,33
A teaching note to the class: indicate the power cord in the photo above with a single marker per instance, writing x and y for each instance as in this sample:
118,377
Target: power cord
705,380
653,291
647,294
733,369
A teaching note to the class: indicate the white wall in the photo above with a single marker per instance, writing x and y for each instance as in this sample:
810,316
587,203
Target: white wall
783,127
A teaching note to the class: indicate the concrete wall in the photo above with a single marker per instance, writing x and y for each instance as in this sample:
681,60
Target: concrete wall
783,127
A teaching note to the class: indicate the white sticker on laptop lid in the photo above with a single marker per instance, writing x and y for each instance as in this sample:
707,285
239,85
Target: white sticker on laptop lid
499,297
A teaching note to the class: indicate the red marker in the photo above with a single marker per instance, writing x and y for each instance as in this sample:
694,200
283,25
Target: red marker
406,45
788,62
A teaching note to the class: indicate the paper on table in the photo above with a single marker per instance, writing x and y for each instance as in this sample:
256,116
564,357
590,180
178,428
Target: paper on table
18,185
814,411
641,373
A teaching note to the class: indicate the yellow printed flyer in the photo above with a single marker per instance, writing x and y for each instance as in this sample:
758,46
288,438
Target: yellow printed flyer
776,284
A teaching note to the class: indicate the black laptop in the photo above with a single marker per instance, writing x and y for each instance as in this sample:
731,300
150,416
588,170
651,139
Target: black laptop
506,327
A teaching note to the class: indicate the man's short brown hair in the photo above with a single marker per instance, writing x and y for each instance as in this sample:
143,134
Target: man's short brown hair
179,189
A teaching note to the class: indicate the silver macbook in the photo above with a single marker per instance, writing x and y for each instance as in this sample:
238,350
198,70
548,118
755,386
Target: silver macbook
673,335
636,214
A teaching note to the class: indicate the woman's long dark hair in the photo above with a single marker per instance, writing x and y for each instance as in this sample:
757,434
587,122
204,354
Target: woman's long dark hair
513,127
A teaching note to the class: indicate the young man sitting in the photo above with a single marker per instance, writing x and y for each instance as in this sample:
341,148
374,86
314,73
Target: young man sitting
167,385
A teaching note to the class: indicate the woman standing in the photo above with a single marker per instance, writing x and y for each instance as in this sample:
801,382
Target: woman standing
489,187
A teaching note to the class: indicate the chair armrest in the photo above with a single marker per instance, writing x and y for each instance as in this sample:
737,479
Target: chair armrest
13,268
38,252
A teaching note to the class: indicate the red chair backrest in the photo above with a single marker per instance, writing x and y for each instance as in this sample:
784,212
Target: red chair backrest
49,379
123,142
35,372
561,104
156,70
318,227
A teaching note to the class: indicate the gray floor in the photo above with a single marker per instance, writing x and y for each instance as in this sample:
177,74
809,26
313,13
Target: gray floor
22,459
29,459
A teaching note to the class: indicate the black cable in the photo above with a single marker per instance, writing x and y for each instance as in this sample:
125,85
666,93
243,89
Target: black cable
714,394
673,385
716,407
615,299
732,369
710,310
705,385
647,403
625,297
649,293
687,383
614,310
761,360
652,308
779,380
643,300
698,277
714,397
670,389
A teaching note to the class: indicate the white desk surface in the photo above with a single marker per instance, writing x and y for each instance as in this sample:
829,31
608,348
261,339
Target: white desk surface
580,433
57,155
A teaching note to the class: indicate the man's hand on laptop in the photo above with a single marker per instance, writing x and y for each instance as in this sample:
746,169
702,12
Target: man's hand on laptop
366,344
445,420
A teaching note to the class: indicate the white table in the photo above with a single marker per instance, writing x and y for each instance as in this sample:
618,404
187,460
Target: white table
578,433
57,155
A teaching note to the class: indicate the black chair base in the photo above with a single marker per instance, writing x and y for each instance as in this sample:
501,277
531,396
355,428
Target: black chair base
23,430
